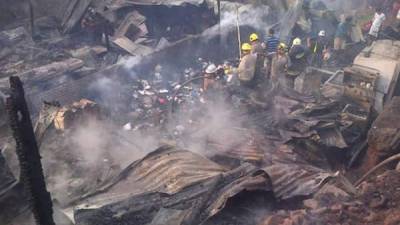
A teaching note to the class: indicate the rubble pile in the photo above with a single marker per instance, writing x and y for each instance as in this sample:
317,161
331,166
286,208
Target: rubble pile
376,203
107,82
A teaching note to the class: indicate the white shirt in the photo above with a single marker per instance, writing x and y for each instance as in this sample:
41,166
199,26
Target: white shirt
376,24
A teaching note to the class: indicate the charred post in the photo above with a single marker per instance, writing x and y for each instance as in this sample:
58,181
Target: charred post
31,175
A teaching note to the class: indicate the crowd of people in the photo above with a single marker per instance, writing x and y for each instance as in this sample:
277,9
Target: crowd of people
279,63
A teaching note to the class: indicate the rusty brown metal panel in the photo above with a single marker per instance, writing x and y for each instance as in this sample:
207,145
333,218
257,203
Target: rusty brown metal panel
193,204
166,170
162,2
292,180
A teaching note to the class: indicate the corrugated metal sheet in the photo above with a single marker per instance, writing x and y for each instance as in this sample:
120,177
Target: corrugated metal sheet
332,137
291,180
166,170
159,2
116,4
251,147
171,183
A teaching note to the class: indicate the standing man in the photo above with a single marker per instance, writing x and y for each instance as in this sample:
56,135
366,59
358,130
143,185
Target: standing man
210,74
318,47
379,18
298,55
279,66
256,46
272,47
343,32
247,67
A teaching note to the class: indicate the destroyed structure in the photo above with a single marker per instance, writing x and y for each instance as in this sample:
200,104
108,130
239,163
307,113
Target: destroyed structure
113,124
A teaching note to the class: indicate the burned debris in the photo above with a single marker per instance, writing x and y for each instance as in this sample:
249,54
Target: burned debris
199,112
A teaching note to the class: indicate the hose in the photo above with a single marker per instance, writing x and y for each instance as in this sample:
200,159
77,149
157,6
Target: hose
377,167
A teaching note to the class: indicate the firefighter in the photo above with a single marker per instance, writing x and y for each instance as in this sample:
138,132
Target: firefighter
210,74
319,48
279,66
298,55
247,67
256,45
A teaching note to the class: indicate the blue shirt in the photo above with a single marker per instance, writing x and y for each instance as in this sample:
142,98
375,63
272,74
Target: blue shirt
342,30
272,44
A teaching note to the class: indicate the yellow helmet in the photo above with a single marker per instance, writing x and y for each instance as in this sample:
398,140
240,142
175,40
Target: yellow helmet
297,41
246,47
253,37
282,46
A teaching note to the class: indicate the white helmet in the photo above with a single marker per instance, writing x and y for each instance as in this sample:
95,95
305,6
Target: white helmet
322,33
211,68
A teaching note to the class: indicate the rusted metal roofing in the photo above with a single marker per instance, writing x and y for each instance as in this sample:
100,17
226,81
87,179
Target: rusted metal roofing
158,2
166,170
292,180
167,183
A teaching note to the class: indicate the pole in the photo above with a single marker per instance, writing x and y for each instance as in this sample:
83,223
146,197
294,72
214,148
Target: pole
31,175
219,29
238,31
31,19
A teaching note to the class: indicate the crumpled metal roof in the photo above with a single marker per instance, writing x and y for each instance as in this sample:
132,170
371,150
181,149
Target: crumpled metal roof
170,183
166,170
292,180
165,2
123,3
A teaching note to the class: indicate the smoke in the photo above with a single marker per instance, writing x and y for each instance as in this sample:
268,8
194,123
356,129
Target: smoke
130,62
217,122
90,154
96,150
233,14
110,93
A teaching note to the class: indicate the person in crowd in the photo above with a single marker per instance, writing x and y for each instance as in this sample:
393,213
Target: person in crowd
256,45
210,74
376,26
279,66
272,43
257,48
298,55
247,67
343,33
318,47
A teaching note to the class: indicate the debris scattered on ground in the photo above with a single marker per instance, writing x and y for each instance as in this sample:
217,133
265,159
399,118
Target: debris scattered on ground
107,82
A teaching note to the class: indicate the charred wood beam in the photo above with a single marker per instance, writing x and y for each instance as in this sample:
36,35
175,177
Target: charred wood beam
31,175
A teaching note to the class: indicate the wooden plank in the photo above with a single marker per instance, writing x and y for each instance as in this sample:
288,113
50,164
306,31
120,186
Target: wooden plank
132,48
76,15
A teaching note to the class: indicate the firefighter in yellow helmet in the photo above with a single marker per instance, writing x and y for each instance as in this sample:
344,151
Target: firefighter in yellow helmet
258,48
246,49
256,45
247,66
279,66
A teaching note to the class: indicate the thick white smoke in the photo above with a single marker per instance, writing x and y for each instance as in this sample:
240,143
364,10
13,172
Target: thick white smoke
233,14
